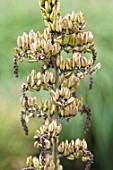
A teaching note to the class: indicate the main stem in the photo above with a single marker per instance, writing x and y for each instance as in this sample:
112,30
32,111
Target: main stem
55,140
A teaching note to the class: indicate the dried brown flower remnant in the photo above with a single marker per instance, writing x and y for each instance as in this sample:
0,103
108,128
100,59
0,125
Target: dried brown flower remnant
60,77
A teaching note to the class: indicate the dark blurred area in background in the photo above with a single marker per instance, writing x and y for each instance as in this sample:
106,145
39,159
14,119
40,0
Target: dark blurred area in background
21,16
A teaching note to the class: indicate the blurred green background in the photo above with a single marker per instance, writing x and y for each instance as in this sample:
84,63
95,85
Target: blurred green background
19,16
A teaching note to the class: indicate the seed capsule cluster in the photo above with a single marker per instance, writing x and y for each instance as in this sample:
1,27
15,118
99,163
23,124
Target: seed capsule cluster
48,131
59,76
36,80
36,163
77,62
76,149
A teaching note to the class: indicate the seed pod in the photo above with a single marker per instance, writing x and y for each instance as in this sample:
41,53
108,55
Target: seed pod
41,104
52,165
28,78
61,147
38,83
62,91
72,63
73,15
22,101
80,39
32,82
47,6
33,74
85,159
38,76
32,36
62,65
47,144
90,61
62,112
80,17
16,51
34,101
85,38
77,57
83,61
67,93
77,143
53,2
68,64
20,41
59,128
52,77
75,110
50,128
33,46
58,61
29,161
90,37
47,104
71,157
35,162
84,144
66,39
36,106
58,7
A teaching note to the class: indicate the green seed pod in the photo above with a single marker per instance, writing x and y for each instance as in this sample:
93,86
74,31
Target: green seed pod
47,6
68,67
85,159
36,106
35,162
66,39
41,104
80,17
62,112
70,157
29,161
